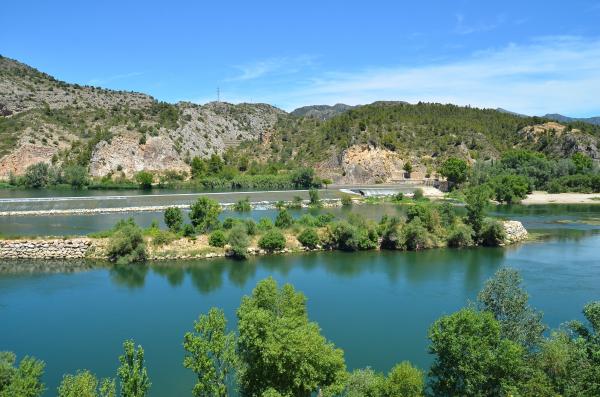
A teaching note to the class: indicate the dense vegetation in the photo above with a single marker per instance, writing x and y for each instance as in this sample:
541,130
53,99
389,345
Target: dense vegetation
495,347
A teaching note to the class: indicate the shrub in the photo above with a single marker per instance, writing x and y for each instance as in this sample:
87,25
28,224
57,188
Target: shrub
313,195
350,237
404,380
243,205
415,236
391,233
174,219
76,176
309,238
510,188
418,194
239,242
272,240
296,203
36,175
251,227
205,213
398,197
284,219
229,222
189,230
492,234
460,236
455,170
217,239
324,219
346,200
162,237
126,245
144,179
264,224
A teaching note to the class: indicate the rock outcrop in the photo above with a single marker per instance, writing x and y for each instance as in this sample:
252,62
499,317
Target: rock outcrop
45,249
515,232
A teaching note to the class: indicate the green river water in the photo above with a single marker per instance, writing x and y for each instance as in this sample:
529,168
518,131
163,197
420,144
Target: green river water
376,306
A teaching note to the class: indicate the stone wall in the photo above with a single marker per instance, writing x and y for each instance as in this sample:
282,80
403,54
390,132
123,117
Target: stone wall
44,249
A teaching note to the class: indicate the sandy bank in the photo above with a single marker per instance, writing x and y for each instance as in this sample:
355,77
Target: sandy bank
561,198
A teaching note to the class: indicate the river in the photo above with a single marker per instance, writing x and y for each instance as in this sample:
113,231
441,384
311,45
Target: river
376,306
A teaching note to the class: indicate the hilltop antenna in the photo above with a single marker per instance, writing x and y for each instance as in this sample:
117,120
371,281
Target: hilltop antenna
218,94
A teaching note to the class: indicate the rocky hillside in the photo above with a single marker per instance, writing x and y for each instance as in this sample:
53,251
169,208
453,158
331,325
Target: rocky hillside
46,120
119,133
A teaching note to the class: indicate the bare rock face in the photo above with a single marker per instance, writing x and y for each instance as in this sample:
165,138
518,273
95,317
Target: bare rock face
124,153
367,164
515,232
556,139
17,161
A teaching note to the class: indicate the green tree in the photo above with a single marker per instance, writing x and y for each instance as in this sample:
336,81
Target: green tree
408,168
243,205
582,161
199,167
272,240
365,383
133,376
144,179
313,194
510,188
215,164
492,233
477,199
455,170
284,219
303,178
504,297
280,348
588,338
239,241
126,245
210,353
309,238
471,358
217,239
37,175
204,214
346,200
404,380
22,381
174,219
85,384
76,176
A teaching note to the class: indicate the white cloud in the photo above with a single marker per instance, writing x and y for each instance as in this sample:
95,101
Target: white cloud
552,74
463,28
279,66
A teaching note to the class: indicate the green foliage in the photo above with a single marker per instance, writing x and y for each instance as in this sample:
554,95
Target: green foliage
314,197
144,179
346,200
583,162
356,236
460,236
210,354
239,242
418,194
205,213
492,233
471,357
217,239
174,219
273,322
510,188
455,170
162,237
76,176
36,176
272,240
188,230
415,236
303,178
365,383
133,376
477,200
22,381
284,219
243,205
309,238
404,380
504,297
265,224
126,244
85,384
407,167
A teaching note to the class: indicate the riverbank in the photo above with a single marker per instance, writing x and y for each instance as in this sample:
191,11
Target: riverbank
538,197
182,248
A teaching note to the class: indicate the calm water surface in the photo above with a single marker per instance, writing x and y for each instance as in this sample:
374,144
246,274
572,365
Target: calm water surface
376,306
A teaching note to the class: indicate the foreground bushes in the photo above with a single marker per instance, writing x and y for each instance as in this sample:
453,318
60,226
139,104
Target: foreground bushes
126,244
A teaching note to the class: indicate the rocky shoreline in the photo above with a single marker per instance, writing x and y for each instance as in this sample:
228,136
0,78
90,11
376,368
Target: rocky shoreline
82,248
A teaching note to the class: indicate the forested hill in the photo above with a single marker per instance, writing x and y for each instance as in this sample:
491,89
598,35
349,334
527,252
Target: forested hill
116,134
389,134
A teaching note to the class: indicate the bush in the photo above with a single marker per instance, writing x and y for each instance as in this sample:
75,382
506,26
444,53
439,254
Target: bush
309,238
251,227
205,214
391,233
229,222
398,197
174,219
349,237
126,245
284,219
243,205
76,176
296,203
144,179
272,240
415,236
510,188
460,236
36,175
313,195
324,219
492,234
217,239
404,380
418,194
189,230
265,224
346,200
455,170
239,242
162,237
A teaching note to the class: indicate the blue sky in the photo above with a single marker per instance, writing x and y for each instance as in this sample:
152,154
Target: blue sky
533,57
